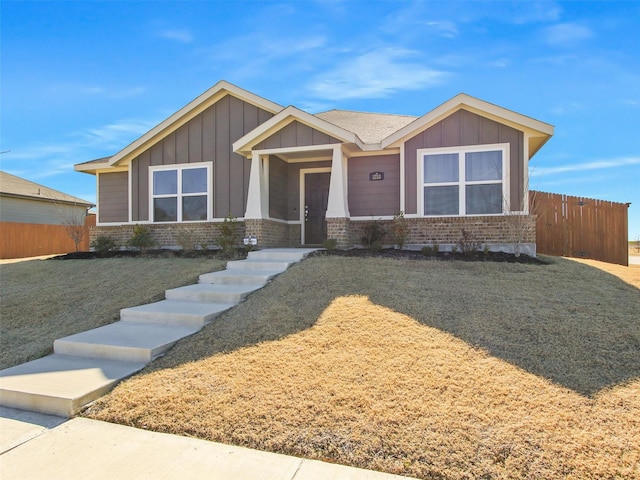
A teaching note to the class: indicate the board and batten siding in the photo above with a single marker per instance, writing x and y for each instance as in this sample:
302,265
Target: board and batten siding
464,128
278,183
208,137
113,197
374,198
296,134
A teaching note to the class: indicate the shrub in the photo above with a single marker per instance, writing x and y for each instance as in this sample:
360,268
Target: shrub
373,235
141,238
104,244
228,230
467,244
427,251
330,243
400,229
187,239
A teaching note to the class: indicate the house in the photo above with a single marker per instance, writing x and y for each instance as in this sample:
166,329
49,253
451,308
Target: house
293,178
37,220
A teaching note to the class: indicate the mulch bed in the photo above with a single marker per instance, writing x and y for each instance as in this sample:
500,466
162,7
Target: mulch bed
440,256
354,252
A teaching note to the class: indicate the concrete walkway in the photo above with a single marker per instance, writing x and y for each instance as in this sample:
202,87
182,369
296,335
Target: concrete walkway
50,448
86,365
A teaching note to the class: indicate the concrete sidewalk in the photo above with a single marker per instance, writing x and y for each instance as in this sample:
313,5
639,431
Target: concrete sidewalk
46,447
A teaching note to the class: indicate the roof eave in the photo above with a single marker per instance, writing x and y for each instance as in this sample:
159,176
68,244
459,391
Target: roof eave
245,144
475,105
193,108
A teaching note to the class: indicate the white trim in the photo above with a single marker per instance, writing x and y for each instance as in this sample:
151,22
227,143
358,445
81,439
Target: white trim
130,194
305,148
244,144
254,195
337,205
179,168
303,172
475,105
370,218
189,111
402,179
462,182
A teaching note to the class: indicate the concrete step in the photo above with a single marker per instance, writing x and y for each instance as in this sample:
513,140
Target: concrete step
283,254
212,293
173,312
61,384
239,277
126,341
258,265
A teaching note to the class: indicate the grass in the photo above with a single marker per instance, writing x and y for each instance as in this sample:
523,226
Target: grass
443,370
47,299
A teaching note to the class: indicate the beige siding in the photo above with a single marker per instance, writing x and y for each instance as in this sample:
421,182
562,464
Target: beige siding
296,134
113,200
208,137
373,198
459,129
45,212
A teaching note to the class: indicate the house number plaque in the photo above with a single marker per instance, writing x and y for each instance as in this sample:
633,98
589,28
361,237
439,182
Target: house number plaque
376,176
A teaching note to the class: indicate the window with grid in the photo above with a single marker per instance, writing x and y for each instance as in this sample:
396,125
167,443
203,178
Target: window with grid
180,194
457,182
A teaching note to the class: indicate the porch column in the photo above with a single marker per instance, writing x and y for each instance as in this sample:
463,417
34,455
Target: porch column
337,206
255,202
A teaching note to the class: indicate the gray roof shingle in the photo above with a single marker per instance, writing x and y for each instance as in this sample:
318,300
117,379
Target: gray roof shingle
370,127
19,187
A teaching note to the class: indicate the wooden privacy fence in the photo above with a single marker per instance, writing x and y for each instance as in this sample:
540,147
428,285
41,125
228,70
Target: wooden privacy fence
20,240
580,227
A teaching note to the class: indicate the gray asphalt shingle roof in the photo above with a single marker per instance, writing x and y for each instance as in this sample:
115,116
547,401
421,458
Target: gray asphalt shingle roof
370,127
19,187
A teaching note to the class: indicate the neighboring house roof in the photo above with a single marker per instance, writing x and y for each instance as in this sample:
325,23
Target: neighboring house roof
13,186
370,127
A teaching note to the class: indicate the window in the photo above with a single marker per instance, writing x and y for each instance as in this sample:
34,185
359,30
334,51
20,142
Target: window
180,194
463,180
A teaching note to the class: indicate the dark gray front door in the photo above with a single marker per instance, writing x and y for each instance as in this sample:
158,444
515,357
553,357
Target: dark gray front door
316,196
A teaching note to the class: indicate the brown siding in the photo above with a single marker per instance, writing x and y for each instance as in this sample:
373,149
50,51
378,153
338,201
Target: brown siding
208,137
113,198
460,129
368,197
296,134
278,183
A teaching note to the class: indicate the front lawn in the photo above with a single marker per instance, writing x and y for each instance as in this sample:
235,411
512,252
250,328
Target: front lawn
41,300
421,368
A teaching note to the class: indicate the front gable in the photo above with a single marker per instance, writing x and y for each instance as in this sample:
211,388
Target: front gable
205,138
296,134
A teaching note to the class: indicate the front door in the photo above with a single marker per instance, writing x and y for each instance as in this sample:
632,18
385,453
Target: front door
316,197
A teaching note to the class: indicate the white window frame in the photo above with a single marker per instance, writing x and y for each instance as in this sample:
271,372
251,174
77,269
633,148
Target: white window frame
462,182
179,168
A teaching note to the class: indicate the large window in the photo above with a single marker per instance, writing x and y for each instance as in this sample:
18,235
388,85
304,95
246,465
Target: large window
463,181
180,194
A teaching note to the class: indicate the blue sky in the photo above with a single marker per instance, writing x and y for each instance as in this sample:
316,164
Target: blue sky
81,80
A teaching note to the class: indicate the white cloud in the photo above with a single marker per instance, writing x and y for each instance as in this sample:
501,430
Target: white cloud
182,36
376,74
566,34
581,167
444,28
46,160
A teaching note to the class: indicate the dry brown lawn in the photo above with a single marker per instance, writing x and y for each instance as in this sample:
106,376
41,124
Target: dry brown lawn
429,369
41,300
